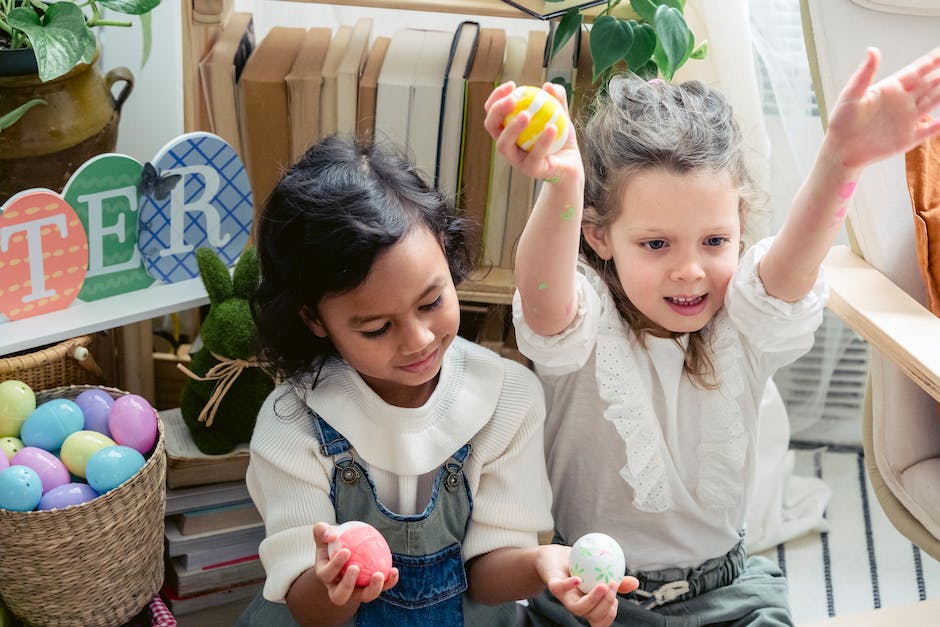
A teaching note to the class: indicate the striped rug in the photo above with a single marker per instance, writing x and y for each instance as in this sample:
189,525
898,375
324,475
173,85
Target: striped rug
862,562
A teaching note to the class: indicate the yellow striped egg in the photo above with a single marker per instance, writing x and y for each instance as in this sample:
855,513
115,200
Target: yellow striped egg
544,109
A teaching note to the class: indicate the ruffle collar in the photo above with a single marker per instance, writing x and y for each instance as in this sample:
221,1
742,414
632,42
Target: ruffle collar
722,437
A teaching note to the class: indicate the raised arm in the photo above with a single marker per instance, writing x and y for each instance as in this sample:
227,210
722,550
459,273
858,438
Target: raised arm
547,254
869,122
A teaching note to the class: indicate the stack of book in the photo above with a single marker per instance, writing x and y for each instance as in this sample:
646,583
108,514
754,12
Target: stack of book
420,90
212,528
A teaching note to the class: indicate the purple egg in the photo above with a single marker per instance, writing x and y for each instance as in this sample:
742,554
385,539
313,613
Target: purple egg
133,423
67,494
95,406
52,472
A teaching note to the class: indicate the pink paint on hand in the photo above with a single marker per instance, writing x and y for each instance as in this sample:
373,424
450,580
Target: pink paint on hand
568,309
845,192
841,212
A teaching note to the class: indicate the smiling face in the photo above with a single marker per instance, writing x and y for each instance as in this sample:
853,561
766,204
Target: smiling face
675,245
395,327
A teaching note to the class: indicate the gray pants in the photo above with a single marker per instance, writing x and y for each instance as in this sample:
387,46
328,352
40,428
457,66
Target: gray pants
757,597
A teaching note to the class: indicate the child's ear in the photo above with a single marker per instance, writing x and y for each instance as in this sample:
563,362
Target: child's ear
313,323
596,237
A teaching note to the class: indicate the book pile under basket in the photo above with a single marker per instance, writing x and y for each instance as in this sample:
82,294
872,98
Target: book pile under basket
212,529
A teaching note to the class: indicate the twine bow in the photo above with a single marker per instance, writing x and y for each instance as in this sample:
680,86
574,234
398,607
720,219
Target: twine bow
225,372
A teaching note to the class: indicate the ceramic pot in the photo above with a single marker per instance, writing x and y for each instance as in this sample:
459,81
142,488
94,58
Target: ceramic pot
79,121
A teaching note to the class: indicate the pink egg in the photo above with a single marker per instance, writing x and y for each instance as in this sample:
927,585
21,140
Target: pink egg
4,462
368,548
52,472
95,404
133,423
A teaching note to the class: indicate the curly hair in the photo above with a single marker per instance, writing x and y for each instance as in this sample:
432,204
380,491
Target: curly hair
335,210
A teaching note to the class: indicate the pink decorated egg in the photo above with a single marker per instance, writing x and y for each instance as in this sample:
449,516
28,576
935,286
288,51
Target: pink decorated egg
133,422
368,550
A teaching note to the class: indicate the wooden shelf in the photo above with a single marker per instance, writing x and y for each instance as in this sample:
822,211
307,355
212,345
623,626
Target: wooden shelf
494,286
491,8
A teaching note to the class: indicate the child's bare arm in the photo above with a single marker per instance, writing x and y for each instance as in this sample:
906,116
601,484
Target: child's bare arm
869,122
548,248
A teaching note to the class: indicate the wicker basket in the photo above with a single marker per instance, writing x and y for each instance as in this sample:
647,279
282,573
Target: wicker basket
66,363
97,563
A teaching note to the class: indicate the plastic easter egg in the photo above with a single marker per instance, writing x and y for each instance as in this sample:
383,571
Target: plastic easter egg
4,462
95,406
79,447
52,422
597,559
20,489
368,548
71,493
17,402
50,469
9,446
133,422
544,110
112,466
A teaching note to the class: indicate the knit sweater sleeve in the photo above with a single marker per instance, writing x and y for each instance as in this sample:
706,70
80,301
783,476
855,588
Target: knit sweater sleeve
288,479
511,494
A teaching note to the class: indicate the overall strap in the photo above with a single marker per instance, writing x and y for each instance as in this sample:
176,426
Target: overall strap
332,442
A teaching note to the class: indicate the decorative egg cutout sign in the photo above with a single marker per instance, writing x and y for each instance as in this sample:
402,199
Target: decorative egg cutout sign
544,110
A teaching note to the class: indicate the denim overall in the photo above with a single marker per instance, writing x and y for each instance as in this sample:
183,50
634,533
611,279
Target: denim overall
426,548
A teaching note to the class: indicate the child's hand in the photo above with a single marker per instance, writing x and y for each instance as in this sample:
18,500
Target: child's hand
599,606
872,122
536,163
342,587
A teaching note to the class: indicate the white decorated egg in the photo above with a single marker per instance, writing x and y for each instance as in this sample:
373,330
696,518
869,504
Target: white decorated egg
597,559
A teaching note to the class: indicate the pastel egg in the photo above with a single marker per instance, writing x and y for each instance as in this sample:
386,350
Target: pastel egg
50,469
4,462
67,494
20,489
17,402
112,466
368,550
9,446
95,406
544,110
597,559
52,422
133,422
79,447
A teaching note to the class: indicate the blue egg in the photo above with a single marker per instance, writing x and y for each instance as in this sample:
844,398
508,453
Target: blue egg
111,466
67,494
20,489
52,422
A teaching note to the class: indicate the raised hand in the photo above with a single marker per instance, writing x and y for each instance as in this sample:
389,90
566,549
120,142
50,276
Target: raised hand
536,163
341,588
873,121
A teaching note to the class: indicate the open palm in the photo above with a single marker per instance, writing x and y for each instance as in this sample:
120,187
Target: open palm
871,122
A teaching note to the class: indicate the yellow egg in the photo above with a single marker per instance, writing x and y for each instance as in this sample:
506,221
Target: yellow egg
544,110
79,447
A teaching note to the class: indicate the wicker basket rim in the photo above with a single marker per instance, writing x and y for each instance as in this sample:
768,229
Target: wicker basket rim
40,357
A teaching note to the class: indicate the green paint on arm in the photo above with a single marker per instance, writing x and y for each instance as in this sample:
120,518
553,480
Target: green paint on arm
542,286
567,214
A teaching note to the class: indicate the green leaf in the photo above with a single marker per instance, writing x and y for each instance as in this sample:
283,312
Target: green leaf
644,42
662,62
678,5
568,25
673,37
145,31
610,37
700,52
569,88
60,39
648,71
8,119
646,9
132,7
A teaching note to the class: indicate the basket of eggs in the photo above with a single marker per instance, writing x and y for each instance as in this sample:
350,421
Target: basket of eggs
82,500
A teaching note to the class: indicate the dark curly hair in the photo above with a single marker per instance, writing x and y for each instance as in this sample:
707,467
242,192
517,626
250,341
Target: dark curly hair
336,209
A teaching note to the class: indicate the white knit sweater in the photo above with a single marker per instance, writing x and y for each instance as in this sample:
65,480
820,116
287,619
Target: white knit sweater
495,404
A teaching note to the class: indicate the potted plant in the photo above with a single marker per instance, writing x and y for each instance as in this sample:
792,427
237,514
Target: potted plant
647,37
47,57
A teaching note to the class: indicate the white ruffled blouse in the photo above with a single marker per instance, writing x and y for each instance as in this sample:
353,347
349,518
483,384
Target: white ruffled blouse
668,468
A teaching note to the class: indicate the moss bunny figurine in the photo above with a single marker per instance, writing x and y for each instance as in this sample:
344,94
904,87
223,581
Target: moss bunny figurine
226,388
